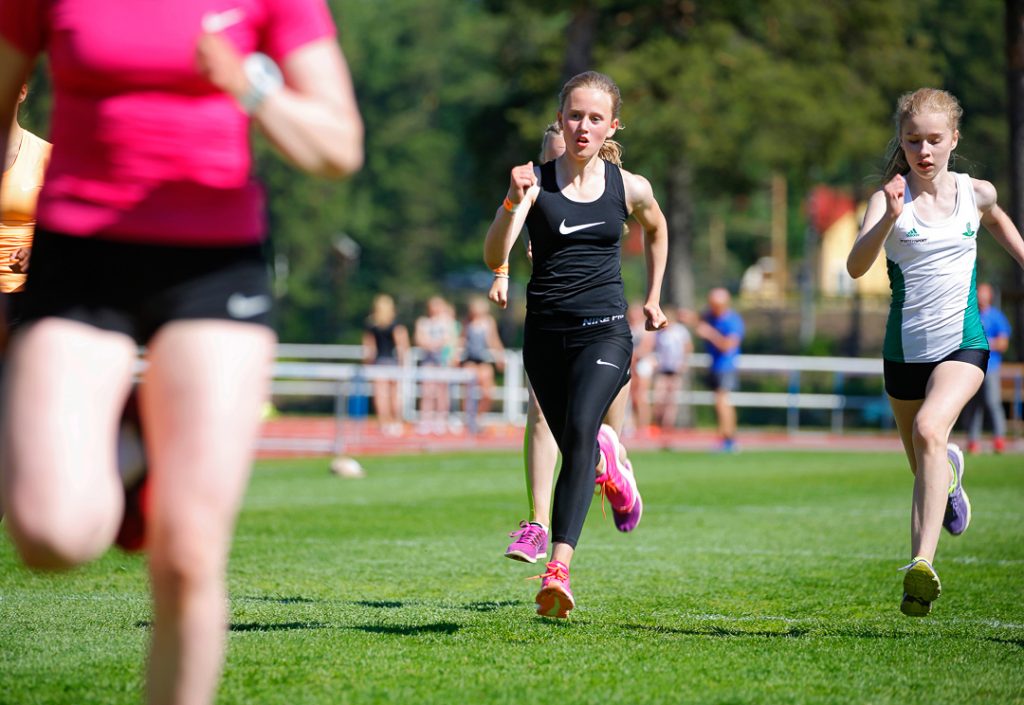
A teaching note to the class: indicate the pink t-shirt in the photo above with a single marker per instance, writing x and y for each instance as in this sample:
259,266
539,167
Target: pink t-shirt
145,149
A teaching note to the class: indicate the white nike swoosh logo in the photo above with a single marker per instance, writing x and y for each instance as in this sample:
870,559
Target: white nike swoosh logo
610,364
573,228
240,306
214,22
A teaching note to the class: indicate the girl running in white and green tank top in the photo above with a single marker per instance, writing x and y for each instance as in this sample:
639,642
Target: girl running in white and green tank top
932,271
935,353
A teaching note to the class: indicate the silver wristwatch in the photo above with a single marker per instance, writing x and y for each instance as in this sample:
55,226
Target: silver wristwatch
264,77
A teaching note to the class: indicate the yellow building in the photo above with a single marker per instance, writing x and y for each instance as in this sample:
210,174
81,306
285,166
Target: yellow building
837,218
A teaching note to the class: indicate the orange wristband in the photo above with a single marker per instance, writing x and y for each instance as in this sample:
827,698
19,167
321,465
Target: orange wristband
510,206
501,271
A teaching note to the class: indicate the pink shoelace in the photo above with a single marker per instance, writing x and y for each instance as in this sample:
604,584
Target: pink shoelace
555,571
528,533
610,489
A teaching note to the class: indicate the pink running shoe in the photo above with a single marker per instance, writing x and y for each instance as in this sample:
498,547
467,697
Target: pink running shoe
131,535
618,483
555,598
134,471
531,543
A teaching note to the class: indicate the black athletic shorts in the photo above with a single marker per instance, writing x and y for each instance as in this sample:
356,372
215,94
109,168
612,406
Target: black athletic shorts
724,381
907,381
135,288
14,304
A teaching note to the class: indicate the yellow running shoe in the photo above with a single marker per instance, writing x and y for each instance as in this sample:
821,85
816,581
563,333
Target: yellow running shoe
921,587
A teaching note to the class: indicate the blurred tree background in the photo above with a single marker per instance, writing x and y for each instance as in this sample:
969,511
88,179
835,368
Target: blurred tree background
722,99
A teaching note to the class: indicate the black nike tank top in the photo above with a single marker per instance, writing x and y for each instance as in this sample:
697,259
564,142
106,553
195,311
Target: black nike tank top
576,250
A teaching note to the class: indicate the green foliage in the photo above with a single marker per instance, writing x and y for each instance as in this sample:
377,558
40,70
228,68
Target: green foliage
741,90
34,113
717,97
420,71
969,63
764,577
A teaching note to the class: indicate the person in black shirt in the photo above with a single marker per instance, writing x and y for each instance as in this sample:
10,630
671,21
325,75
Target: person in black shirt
540,450
577,344
386,343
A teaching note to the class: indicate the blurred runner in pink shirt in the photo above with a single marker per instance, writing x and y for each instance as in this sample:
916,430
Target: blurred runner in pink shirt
149,231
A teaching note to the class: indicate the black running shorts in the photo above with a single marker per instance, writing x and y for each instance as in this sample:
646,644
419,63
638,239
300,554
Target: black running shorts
908,381
135,288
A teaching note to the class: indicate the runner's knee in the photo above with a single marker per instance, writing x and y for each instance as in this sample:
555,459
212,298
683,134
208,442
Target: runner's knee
57,535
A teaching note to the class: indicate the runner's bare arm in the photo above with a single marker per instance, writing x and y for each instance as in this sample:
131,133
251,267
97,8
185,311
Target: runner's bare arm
498,292
645,209
507,224
884,207
996,221
313,120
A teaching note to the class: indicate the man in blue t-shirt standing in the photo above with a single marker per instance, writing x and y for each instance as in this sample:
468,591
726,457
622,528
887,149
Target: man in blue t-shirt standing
722,331
989,397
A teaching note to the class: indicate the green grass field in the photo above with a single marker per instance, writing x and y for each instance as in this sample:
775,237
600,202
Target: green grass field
754,578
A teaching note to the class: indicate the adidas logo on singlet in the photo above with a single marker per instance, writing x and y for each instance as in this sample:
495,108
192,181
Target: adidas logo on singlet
970,232
913,233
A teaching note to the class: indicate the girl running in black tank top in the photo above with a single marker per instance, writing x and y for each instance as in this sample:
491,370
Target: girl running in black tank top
577,346
540,451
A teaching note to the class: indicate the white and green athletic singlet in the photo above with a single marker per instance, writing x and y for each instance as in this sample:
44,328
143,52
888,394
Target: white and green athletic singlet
932,270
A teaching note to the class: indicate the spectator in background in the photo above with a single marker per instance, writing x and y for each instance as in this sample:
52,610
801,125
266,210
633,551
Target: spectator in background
386,344
989,397
672,348
482,351
721,329
436,335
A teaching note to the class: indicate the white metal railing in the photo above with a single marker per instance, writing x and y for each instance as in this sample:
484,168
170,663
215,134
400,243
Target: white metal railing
338,371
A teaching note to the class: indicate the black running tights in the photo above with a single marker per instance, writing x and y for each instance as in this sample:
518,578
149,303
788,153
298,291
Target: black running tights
576,375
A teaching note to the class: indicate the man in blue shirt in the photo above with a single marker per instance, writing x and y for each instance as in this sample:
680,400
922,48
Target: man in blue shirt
989,397
722,331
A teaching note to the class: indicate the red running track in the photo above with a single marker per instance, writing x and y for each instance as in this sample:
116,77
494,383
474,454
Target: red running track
296,436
